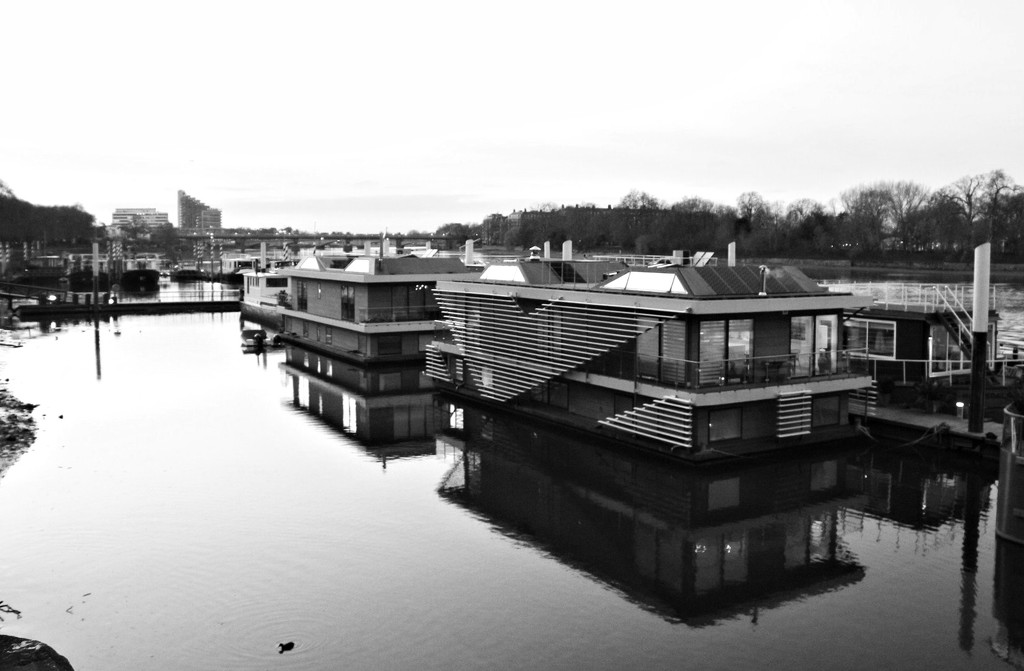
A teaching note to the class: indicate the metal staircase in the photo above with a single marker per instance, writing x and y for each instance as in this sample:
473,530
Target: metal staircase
956,319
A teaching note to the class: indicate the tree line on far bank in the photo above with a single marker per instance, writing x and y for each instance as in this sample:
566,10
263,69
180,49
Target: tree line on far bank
895,219
21,221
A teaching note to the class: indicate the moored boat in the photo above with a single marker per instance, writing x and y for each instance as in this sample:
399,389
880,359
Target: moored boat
368,310
264,297
187,275
700,363
142,280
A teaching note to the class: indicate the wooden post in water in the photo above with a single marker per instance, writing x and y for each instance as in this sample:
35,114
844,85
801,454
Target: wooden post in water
979,328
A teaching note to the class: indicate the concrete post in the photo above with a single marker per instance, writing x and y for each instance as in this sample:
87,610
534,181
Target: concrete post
979,348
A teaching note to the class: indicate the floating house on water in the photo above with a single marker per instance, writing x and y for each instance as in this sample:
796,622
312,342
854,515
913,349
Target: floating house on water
916,331
368,310
697,362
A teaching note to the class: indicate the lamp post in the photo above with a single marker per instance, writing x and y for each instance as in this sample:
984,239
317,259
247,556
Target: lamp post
211,266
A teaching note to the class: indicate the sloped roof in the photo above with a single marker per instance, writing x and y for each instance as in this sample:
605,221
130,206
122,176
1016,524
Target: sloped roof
311,263
714,281
553,271
415,265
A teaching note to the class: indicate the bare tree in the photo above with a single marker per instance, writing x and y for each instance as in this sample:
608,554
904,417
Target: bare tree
639,200
907,201
867,216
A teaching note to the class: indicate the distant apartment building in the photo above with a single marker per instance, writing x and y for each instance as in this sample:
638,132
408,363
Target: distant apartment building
146,216
195,214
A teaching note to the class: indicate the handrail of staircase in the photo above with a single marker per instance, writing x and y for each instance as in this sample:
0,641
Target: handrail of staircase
953,305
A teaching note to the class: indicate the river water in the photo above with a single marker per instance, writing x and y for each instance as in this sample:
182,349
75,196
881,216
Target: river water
188,506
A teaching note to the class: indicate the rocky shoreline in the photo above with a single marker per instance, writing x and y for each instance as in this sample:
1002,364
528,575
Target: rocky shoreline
17,426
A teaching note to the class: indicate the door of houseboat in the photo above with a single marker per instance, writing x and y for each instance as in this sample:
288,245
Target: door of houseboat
825,332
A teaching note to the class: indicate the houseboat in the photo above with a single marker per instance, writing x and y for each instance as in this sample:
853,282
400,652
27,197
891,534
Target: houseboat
187,275
369,310
700,363
264,295
140,280
918,338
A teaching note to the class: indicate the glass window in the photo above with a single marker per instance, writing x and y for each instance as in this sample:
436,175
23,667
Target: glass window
724,494
876,338
946,352
389,344
712,351
882,339
348,302
824,410
856,331
724,424
825,333
741,337
801,344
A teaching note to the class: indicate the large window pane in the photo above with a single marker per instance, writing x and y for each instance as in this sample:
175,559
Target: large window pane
882,339
712,351
724,424
801,344
741,336
825,411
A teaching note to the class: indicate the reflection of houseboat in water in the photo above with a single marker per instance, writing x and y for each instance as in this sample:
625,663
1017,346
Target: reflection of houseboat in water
693,545
384,406
698,362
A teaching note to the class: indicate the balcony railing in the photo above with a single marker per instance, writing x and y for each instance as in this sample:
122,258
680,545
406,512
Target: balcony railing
762,370
393,314
910,296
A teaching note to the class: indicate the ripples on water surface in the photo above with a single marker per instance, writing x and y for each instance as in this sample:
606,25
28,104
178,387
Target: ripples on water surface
195,507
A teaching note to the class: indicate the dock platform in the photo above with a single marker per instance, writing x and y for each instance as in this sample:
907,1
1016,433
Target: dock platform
36,312
914,426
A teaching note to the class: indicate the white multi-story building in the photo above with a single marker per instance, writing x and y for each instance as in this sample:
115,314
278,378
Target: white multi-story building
148,216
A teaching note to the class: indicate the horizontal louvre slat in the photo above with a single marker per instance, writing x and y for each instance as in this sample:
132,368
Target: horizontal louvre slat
668,420
521,350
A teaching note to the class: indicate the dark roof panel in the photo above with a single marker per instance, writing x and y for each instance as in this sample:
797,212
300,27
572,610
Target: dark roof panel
415,265
746,281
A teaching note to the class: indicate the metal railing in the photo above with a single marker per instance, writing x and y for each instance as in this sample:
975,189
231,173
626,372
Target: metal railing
744,371
196,295
908,296
396,314
910,371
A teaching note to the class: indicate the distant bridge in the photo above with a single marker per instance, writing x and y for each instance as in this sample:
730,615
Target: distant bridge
447,242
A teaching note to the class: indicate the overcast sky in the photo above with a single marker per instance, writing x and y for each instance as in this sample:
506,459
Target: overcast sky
407,115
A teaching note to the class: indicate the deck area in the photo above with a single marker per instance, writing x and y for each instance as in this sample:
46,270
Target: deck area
914,426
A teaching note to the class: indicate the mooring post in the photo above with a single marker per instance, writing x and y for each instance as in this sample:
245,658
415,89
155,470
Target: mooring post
95,281
979,348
